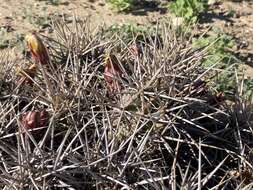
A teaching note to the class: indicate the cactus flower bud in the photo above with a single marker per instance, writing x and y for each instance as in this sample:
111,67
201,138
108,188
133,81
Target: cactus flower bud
34,119
37,48
112,72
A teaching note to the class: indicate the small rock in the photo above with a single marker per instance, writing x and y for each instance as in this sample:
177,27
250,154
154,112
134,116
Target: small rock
177,21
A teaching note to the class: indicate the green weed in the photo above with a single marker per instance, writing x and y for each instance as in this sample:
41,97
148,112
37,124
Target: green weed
52,2
218,47
42,21
4,42
188,9
27,14
247,89
121,5
7,40
128,31
219,51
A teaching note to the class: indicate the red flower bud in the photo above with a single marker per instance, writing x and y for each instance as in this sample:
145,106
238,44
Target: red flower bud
34,119
112,72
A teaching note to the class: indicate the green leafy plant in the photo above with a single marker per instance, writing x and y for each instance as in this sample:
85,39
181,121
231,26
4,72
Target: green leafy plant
128,30
121,5
218,47
247,89
188,9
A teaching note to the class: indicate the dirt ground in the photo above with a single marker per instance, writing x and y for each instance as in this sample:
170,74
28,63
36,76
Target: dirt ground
240,26
20,14
234,18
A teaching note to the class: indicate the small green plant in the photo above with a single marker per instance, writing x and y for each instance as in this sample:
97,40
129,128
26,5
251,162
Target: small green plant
121,5
27,14
54,2
19,42
9,41
247,89
128,30
42,20
188,9
218,49
4,41
231,80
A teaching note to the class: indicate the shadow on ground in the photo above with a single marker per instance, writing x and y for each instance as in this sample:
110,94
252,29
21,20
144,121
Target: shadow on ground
143,8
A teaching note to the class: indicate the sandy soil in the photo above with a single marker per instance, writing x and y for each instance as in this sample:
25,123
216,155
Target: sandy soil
240,26
20,14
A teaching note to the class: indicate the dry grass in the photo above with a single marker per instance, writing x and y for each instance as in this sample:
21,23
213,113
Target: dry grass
163,129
